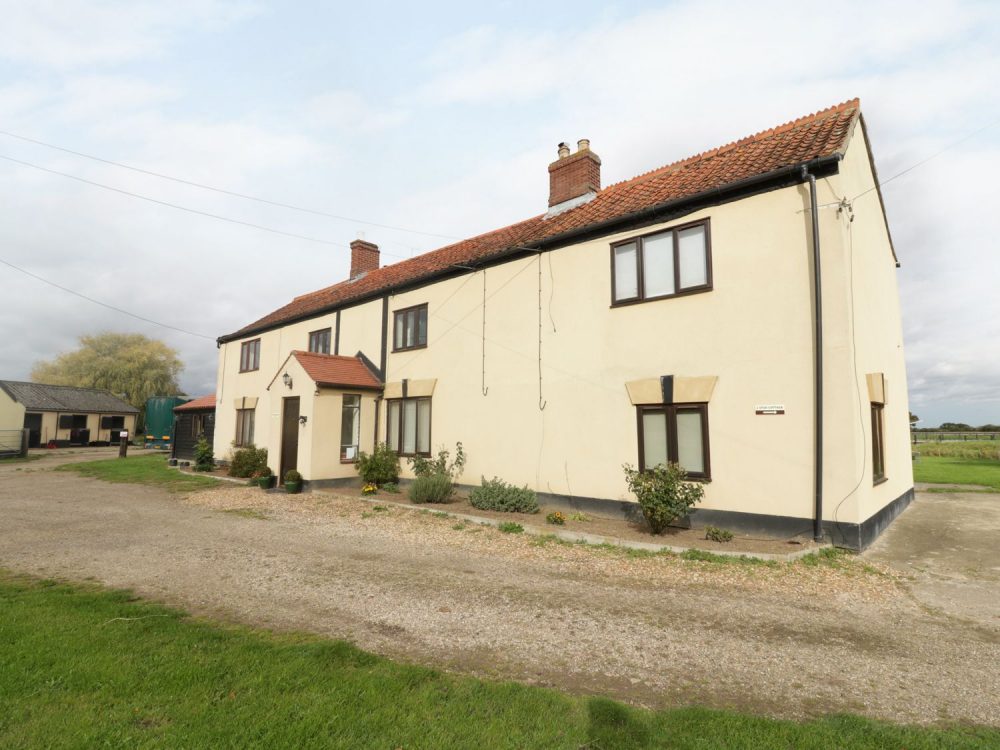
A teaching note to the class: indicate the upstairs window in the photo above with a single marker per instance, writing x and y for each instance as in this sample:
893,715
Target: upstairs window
677,434
319,341
665,264
250,355
409,328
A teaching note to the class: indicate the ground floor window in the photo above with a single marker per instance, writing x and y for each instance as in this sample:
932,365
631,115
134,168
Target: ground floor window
350,428
878,443
197,425
72,421
409,426
244,427
112,423
675,433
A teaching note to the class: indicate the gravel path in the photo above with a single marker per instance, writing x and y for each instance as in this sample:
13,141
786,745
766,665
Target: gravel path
788,641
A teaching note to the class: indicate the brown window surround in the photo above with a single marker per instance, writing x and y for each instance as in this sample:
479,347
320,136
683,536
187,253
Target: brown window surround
679,291
401,328
250,355
396,408
319,341
669,413
878,444
245,419
350,419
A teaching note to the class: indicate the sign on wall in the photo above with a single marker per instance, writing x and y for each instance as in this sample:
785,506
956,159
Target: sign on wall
768,409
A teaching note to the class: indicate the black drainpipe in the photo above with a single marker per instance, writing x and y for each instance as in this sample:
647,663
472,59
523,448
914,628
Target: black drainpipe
818,352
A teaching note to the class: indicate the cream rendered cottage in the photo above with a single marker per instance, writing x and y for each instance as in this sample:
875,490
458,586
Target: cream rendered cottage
670,317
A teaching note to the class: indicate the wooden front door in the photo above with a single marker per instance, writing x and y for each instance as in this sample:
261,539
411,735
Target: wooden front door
289,436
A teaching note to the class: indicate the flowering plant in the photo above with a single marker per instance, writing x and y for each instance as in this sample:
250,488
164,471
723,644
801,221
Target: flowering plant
556,517
369,489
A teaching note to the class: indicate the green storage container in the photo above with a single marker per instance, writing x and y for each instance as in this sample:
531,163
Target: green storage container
160,420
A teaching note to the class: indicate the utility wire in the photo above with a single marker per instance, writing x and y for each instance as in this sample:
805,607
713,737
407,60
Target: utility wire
104,304
179,207
932,156
223,191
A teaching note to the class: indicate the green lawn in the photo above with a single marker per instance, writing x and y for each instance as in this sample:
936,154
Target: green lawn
958,462
87,667
148,469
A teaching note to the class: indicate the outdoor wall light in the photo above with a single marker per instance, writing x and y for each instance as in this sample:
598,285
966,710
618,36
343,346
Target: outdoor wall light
287,379
303,418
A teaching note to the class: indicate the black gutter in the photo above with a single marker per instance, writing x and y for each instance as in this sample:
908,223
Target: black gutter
818,355
791,173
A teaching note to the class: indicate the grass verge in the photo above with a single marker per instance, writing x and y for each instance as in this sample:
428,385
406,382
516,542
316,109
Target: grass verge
6,460
87,667
957,470
151,469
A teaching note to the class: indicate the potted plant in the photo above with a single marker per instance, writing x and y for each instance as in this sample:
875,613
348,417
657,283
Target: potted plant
293,481
266,480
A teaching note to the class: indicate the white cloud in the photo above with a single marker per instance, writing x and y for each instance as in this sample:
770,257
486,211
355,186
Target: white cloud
71,33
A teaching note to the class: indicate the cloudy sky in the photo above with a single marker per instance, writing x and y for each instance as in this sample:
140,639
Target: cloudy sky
441,118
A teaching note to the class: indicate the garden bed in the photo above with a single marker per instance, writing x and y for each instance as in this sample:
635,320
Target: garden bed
612,528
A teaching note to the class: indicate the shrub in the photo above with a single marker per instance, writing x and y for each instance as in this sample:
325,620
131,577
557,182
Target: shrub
496,494
380,467
556,517
435,488
292,476
509,527
390,487
715,534
204,456
663,494
246,461
425,467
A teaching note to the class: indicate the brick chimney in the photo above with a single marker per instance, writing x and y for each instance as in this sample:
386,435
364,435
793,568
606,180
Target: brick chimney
574,176
364,258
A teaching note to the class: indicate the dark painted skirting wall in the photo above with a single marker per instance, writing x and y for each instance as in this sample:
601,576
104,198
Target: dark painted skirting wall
848,535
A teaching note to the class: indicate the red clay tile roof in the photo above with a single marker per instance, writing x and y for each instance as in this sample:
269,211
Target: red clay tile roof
337,371
202,402
823,134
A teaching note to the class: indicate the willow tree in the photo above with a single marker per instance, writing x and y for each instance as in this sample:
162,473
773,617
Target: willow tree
127,364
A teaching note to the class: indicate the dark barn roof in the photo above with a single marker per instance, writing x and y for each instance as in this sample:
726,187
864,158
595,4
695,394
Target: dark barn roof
67,398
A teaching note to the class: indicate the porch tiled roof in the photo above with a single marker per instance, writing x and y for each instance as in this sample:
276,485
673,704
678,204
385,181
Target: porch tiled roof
337,371
823,134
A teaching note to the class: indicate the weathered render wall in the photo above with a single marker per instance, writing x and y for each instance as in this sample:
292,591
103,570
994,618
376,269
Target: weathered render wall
752,332
11,412
872,321
541,399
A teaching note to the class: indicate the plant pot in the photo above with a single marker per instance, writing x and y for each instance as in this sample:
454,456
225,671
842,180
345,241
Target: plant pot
267,483
293,488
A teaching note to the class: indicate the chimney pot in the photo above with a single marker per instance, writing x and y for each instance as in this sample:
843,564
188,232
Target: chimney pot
574,176
364,258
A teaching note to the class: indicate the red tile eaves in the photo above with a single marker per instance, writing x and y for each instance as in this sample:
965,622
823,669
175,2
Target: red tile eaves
822,134
198,404
337,371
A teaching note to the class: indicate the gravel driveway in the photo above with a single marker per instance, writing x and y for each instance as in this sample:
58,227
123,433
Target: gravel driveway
787,641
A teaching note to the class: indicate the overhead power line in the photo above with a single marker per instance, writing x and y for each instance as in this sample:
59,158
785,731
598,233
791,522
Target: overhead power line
223,191
179,207
104,304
